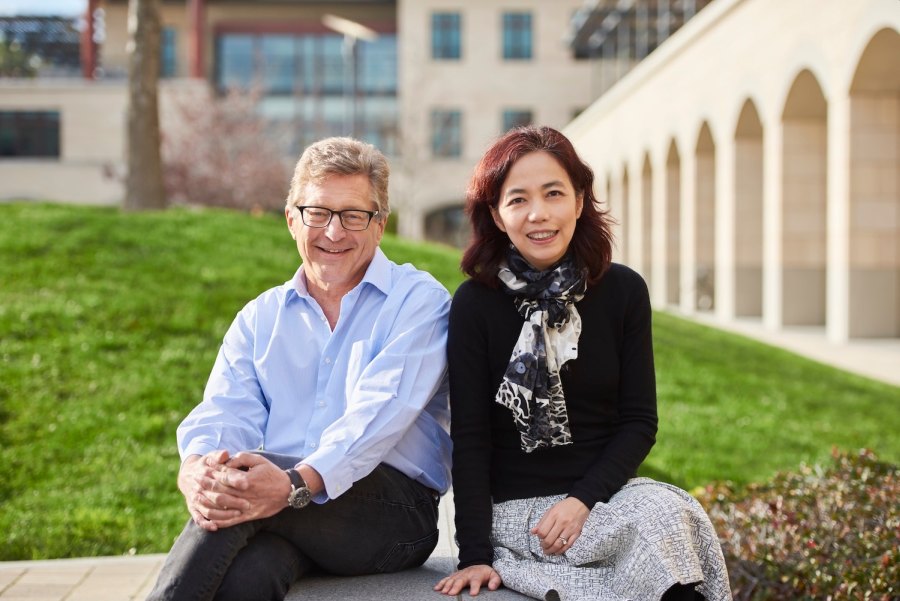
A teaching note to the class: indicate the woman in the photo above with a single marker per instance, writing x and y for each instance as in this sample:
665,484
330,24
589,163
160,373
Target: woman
553,399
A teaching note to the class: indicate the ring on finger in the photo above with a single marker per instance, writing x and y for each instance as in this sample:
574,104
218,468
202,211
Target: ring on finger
564,540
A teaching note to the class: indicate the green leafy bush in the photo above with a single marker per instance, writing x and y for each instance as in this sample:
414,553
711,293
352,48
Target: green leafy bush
830,533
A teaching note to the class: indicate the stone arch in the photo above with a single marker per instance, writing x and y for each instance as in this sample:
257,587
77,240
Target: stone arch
448,224
673,225
705,220
804,206
748,215
646,221
874,228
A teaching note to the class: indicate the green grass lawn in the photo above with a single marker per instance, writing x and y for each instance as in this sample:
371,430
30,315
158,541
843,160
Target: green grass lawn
109,324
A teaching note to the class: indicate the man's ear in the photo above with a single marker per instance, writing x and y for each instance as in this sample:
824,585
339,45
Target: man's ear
380,224
289,217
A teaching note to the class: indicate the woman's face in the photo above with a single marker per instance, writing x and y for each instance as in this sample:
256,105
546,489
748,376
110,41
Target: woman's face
538,208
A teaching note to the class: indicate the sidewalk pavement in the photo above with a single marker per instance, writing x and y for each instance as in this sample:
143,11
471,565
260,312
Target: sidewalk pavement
876,358
131,578
127,578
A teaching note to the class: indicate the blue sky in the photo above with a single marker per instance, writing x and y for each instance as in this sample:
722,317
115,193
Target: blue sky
42,7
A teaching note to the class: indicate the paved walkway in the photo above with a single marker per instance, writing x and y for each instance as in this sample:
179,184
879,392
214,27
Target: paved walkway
876,358
131,578
127,578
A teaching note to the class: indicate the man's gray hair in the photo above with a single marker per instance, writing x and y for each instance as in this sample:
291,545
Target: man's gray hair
342,156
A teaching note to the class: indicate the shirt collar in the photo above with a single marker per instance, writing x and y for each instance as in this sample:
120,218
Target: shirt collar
378,274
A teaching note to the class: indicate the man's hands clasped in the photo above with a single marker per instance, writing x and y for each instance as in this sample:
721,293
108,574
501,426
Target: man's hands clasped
223,491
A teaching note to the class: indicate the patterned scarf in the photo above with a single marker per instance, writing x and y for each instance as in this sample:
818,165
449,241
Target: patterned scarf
531,387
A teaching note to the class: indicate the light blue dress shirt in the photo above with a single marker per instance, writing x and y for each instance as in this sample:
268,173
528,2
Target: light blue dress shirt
373,390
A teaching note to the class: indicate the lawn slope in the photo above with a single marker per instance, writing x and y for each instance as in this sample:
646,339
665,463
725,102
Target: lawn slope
109,324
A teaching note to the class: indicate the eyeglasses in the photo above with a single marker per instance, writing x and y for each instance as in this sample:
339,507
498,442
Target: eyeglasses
351,219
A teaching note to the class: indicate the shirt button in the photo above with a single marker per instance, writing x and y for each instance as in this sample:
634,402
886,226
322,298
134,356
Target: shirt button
312,444
321,403
328,360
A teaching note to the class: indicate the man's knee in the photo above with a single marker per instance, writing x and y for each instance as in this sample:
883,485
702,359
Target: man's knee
265,569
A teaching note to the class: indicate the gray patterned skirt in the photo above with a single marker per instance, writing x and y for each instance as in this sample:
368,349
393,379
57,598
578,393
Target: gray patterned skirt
648,537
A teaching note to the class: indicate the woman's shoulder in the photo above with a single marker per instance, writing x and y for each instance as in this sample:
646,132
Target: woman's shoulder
622,278
623,273
474,291
474,302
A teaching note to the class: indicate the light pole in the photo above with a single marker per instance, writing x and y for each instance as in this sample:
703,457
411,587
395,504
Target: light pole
352,31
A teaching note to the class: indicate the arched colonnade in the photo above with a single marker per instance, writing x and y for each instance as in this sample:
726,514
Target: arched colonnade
762,185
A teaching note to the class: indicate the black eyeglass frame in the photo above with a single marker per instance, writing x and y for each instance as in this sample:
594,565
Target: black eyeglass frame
340,214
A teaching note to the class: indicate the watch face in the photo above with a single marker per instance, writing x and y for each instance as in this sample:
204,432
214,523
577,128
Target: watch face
300,498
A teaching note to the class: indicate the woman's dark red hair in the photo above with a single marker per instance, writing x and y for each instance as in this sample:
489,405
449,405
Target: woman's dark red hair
592,240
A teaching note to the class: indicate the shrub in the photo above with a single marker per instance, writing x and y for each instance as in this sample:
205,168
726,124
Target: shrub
217,152
830,533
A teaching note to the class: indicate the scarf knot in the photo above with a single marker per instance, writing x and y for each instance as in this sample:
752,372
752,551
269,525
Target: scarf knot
531,386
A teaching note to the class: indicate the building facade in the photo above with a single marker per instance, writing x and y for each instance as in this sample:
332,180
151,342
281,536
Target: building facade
470,70
433,85
753,165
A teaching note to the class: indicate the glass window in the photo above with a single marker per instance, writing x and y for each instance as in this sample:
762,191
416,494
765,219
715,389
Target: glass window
29,133
329,63
378,122
278,67
515,118
168,64
516,36
235,61
377,66
445,36
302,79
446,135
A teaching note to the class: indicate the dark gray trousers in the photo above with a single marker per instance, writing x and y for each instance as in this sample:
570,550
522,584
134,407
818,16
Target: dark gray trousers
386,522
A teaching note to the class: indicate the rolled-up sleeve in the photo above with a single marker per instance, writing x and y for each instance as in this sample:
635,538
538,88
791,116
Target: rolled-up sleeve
233,412
394,375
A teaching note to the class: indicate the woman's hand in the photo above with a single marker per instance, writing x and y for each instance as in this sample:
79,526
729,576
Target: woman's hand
473,576
561,526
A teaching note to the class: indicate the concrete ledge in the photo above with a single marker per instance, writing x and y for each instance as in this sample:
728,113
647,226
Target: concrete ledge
131,578
409,585
412,585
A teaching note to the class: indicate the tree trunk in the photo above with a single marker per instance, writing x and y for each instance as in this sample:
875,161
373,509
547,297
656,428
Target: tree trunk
144,182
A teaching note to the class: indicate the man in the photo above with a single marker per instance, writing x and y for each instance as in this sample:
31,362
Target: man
322,437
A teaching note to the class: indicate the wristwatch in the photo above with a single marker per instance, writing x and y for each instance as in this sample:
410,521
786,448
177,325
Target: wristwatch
300,495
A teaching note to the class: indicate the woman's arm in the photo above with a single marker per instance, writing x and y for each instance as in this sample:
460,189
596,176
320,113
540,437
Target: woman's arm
470,423
636,423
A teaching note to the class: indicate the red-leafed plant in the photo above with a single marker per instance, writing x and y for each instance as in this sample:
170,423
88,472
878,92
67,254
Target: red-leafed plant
218,151
830,533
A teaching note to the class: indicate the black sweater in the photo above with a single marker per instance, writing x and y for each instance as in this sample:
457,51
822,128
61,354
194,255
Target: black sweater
610,392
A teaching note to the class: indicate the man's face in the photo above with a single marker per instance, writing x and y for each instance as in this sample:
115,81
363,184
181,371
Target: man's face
336,259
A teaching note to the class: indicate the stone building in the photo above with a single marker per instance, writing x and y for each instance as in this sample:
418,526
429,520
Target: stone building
753,164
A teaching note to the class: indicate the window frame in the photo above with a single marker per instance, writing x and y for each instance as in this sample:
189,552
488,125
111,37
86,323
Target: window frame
517,36
446,36
446,133
512,118
43,133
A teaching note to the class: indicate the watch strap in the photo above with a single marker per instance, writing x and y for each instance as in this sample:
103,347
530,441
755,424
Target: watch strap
296,479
